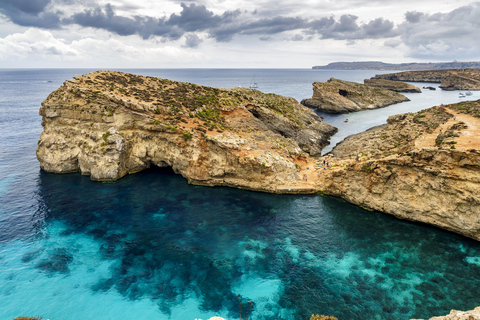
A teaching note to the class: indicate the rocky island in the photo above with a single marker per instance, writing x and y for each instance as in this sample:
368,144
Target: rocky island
421,166
109,124
340,96
450,79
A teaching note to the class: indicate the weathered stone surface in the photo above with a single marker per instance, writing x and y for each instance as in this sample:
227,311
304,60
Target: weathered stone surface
397,86
109,124
459,315
407,169
423,167
339,96
450,79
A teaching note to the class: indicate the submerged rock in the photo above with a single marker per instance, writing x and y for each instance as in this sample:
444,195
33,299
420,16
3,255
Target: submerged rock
339,96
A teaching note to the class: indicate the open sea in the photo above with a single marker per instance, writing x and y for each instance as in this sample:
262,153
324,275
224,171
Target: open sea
150,246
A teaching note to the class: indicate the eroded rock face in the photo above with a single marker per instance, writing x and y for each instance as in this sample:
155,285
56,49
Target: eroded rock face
339,96
450,79
422,167
404,168
459,315
109,124
397,86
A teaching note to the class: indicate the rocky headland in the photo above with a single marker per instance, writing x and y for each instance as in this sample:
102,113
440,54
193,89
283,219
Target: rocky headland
451,79
397,86
109,124
411,66
340,96
421,166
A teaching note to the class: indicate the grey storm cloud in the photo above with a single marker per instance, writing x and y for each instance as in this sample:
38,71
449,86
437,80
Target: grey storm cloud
31,13
192,41
192,18
447,35
442,33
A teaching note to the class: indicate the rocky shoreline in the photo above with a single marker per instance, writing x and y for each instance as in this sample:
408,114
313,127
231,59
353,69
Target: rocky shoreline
450,79
109,124
422,166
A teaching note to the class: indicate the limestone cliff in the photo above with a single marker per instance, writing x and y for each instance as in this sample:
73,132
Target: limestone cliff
459,315
397,86
450,79
423,167
108,124
339,96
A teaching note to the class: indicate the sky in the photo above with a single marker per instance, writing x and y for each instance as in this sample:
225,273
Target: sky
234,33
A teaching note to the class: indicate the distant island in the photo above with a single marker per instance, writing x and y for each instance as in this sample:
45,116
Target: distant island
378,65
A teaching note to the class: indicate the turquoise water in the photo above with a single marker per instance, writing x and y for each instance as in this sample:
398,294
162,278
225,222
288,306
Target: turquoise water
150,246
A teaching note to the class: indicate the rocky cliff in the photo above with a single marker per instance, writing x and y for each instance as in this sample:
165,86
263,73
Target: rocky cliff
339,96
423,167
108,124
451,79
459,315
397,86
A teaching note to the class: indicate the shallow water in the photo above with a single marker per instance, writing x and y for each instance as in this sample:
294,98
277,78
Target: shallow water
150,246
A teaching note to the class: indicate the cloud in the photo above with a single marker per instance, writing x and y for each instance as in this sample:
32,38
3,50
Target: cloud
30,13
444,35
33,42
107,20
192,41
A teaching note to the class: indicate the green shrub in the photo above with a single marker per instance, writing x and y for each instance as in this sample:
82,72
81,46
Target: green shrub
187,135
366,167
105,136
322,317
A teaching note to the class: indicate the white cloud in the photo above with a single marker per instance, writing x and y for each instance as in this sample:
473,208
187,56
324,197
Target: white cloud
35,42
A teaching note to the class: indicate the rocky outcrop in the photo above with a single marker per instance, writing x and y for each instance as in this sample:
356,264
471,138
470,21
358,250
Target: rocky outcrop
459,315
408,168
378,65
423,167
339,96
397,86
451,79
108,124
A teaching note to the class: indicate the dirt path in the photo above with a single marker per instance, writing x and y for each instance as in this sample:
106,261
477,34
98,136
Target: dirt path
469,138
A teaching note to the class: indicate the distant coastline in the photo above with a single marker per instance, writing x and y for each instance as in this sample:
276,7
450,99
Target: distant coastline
378,65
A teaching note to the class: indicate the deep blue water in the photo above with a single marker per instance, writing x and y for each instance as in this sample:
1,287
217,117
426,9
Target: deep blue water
150,246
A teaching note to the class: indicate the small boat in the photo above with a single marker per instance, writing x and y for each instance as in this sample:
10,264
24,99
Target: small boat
253,84
346,120
430,88
461,95
468,93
